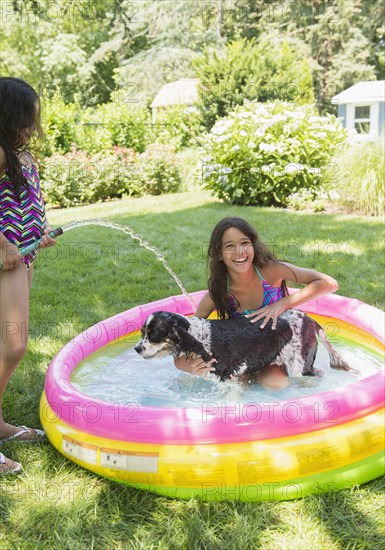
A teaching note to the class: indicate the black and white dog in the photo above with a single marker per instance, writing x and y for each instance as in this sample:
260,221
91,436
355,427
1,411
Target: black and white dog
239,346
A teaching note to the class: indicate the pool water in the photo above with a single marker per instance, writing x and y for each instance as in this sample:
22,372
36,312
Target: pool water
117,374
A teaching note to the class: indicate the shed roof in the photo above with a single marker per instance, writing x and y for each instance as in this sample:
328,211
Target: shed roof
180,92
370,90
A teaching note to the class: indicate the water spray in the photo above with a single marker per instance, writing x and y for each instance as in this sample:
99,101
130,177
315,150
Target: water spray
113,225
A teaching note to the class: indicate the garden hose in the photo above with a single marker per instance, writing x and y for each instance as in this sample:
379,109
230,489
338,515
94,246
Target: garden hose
24,251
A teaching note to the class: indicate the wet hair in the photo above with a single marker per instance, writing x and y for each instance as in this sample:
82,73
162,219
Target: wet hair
217,283
17,112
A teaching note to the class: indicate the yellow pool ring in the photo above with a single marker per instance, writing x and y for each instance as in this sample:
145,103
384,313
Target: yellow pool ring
235,464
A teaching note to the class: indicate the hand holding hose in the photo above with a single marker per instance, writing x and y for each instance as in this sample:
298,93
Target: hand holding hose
48,238
11,256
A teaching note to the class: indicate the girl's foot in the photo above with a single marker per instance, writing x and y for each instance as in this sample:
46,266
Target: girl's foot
22,433
8,466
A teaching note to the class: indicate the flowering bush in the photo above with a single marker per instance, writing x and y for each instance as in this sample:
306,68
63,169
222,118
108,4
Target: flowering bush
263,152
79,177
158,171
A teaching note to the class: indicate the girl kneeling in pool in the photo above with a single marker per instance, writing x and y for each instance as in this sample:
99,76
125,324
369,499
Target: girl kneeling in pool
246,279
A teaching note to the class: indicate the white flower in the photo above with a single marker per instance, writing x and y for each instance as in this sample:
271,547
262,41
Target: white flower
260,132
267,168
297,114
267,147
277,118
292,168
243,115
243,133
221,125
251,144
221,138
236,148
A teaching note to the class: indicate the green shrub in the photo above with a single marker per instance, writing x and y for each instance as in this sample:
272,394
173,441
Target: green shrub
306,199
262,153
112,124
60,122
79,177
274,68
358,178
179,125
94,129
189,160
129,125
158,171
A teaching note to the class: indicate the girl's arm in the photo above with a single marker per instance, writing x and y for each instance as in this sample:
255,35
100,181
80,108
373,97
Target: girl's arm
317,284
198,366
205,307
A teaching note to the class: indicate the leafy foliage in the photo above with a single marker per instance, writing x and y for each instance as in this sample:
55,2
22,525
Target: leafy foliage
78,177
358,178
91,49
94,129
179,125
115,123
60,125
262,153
158,170
273,68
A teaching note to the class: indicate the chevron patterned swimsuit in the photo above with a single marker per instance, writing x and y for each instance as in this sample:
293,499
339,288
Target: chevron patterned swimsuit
271,294
22,222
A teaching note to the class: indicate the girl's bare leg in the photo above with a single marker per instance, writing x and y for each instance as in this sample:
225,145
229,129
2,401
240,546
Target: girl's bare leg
14,315
273,378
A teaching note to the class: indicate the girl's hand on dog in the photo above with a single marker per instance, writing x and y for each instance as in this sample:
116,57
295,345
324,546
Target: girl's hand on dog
194,366
268,313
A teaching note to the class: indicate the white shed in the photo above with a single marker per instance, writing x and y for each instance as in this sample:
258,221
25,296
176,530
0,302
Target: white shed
362,108
180,92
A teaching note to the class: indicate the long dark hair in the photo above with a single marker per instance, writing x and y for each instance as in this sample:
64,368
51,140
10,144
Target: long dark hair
218,272
17,112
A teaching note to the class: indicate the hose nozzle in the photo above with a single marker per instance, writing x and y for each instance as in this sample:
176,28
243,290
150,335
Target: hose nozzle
56,232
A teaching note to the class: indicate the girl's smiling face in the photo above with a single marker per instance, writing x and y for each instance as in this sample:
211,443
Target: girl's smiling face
237,250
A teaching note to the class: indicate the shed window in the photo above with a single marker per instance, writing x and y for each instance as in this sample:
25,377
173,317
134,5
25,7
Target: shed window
362,119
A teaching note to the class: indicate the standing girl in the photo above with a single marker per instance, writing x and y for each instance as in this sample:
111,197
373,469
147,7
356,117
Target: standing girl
246,279
22,222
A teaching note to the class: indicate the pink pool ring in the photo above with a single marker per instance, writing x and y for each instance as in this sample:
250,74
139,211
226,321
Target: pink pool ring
290,429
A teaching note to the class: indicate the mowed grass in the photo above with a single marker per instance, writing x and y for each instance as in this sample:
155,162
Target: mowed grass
94,273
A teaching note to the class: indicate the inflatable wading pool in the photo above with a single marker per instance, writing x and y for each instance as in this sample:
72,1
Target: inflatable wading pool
267,451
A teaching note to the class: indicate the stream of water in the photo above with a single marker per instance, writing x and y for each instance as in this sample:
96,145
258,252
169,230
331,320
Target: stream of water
137,237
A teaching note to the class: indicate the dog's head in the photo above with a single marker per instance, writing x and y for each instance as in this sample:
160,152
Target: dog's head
161,335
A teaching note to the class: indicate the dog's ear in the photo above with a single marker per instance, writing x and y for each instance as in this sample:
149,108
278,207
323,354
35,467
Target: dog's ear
189,344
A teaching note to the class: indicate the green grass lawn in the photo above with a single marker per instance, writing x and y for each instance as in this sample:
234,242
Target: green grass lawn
94,273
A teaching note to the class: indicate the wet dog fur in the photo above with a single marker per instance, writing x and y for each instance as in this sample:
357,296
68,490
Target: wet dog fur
239,346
